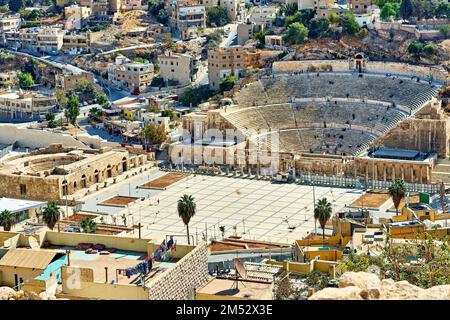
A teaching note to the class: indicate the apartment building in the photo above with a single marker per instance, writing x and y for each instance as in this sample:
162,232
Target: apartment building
246,30
188,19
76,43
8,77
264,16
21,105
47,40
235,9
131,75
224,62
8,23
75,15
360,6
176,67
69,80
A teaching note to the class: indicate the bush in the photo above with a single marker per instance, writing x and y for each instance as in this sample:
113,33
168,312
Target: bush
217,16
228,83
195,95
297,34
430,49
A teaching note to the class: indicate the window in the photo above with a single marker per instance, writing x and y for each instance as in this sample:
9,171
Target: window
23,189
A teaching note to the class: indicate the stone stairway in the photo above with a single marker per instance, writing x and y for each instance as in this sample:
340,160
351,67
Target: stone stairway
441,171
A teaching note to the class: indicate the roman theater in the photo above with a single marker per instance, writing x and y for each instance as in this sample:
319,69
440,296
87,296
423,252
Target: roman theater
343,118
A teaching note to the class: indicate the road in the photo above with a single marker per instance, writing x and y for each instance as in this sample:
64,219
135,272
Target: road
139,46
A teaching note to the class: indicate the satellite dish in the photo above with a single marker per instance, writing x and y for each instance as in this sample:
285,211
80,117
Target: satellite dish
33,243
240,269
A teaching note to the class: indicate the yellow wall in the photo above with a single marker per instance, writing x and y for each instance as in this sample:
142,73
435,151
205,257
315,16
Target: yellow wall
121,243
336,240
305,268
24,273
329,255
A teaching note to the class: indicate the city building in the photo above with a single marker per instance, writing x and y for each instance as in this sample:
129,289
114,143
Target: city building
360,6
176,67
245,31
74,43
224,62
48,40
10,22
22,209
131,75
8,77
188,19
22,106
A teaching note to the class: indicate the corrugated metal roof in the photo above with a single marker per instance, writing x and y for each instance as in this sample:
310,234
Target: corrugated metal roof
28,258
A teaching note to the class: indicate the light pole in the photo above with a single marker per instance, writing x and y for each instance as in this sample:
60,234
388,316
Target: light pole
314,207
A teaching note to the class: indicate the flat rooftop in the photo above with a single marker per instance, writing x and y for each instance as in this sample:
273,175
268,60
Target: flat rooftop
17,205
247,289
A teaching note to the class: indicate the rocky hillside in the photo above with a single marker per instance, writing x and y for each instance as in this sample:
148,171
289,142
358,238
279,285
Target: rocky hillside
367,286
7,293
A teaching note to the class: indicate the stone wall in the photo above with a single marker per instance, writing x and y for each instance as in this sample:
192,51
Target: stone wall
426,135
180,282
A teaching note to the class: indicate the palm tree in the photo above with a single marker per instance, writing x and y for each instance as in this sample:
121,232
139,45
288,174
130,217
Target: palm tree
322,212
88,225
51,214
7,219
397,191
186,210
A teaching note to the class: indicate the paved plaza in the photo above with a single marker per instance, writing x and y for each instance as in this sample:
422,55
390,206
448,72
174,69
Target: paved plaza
252,209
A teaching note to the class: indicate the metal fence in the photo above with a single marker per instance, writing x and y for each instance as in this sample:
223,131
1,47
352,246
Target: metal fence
324,180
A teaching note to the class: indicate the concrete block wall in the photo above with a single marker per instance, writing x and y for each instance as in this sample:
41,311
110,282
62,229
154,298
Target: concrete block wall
180,282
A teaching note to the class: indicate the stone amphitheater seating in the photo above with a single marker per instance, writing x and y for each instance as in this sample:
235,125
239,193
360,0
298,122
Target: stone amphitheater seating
281,89
328,115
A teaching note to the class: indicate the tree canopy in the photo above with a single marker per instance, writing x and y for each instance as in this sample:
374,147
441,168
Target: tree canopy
72,110
217,16
297,33
154,134
25,80
228,83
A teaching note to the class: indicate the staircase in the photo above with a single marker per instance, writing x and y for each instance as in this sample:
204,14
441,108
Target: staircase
441,172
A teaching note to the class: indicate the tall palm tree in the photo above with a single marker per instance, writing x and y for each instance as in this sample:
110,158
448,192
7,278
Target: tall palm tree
51,214
186,210
7,219
322,212
88,225
397,191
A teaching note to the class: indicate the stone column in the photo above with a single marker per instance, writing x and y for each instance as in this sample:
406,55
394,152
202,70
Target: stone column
412,174
420,175
393,172
384,172
403,172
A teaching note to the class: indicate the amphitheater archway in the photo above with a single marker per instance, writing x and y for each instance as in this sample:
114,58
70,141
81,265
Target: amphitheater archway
65,188
124,164
96,176
83,181
108,171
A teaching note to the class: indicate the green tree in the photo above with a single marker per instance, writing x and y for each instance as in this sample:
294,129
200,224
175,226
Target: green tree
51,215
442,10
445,30
102,99
348,23
72,110
287,9
154,134
15,5
406,9
397,191
319,28
260,36
217,16
390,9
95,112
415,48
7,219
322,213
297,33
193,96
186,210
228,83
88,225
50,118
25,80
213,39
430,49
